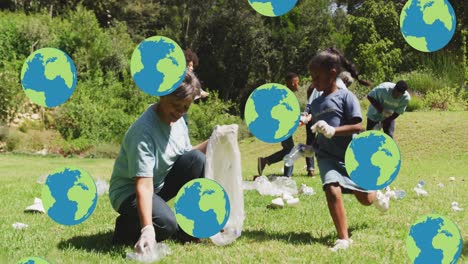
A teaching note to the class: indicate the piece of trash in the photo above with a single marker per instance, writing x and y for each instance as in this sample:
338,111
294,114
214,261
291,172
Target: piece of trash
452,178
276,187
102,187
276,203
42,179
19,225
306,190
421,182
292,202
151,255
441,185
300,150
287,197
455,207
395,194
419,190
36,207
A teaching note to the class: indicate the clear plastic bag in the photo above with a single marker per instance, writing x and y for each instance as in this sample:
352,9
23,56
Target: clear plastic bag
300,150
223,164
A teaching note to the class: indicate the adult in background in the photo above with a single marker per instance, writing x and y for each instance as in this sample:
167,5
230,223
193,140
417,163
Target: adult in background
292,82
388,101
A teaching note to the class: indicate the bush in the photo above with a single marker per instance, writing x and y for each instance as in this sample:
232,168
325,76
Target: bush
104,150
422,82
416,103
76,147
203,117
13,141
28,124
446,99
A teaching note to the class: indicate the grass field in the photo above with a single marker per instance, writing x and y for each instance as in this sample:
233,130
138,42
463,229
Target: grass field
434,147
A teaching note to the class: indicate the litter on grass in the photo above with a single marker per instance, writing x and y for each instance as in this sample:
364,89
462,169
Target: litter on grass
36,207
441,185
275,186
19,225
306,190
455,207
151,255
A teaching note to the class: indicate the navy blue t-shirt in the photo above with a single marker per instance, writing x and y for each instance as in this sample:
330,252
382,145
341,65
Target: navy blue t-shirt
337,109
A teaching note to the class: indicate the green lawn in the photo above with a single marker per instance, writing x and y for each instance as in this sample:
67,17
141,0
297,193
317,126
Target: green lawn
434,147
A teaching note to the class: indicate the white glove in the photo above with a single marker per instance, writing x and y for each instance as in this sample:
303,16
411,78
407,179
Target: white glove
147,241
305,118
387,113
323,128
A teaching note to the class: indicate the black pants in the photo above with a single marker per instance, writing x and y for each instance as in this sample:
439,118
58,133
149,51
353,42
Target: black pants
189,166
310,137
388,127
288,145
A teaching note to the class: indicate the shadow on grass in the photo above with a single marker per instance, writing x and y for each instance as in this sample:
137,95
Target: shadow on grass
299,237
100,242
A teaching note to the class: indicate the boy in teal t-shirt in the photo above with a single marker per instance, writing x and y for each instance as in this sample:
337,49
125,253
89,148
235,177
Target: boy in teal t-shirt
388,101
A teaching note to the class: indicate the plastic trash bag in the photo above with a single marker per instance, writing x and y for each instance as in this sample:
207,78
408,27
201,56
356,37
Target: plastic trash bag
455,207
160,251
36,207
102,187
223,164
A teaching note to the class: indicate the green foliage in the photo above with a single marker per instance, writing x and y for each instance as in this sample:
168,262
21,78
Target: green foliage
446,99
27,125
421,82
204,116
76,146
416,103
13,140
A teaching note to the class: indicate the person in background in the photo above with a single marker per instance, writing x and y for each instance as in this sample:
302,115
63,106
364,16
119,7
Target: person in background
292,82
388,101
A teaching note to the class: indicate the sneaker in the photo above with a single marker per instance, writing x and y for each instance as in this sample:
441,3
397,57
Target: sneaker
382,202
341,244
310,173
261,163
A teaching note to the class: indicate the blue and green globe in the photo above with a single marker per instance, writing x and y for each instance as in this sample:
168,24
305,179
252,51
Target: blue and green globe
372,160
202,208
434,239
272,8
32,260
69,196
158,65
272,112
48,77
427,25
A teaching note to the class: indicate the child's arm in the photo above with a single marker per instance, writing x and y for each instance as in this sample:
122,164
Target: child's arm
354,127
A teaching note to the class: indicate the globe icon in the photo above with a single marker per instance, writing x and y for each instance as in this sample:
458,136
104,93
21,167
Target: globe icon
372,160
202,208
272,112
69,196
32,260
427,25
48,77
158,66
434,239
272,8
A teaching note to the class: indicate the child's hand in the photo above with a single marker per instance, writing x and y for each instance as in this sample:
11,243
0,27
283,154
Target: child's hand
387,113
323,128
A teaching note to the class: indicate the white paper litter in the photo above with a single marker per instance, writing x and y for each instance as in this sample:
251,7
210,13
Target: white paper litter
277,203
419,190
36,207
160,251
455,207
19,225
441,185
306,190
452,178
